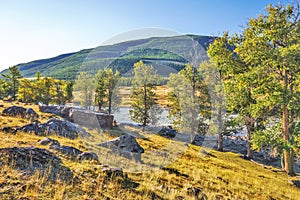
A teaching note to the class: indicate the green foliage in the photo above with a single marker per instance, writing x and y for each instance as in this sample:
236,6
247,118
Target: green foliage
119,57
86,86
13,77
106,93
45,90
4,89
190,102
144,107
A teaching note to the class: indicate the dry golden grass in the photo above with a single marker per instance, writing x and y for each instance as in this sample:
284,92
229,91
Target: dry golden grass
219,175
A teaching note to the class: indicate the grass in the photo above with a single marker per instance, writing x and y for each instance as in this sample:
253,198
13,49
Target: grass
167,171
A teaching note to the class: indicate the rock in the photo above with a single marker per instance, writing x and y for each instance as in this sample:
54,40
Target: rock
125,145
9,129
198,140
48,141
82,117
37,129
67,150
112,171
32,158
92,119
30,113
15,111
55,126
88,156
295,183
124,142
167,132
62,128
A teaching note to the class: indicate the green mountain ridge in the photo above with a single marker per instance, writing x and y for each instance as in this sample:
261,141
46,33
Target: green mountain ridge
173,52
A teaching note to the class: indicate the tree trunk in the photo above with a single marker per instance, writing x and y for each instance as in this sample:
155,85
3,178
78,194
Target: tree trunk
99,106
249,147
145,108
288,156
250,128
109,102
220,134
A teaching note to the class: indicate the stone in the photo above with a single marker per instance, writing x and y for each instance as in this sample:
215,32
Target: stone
32,158
67,150
14,111
48,141
198,140
62,128
30,113
126,146
88,156
167,132
82,117
295,183
90,119
124,142
8,129
55,126
112,171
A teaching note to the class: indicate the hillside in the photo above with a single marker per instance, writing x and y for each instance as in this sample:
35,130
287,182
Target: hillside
196,172
169,51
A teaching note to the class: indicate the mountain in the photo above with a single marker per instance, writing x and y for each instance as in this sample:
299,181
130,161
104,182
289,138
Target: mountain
173,52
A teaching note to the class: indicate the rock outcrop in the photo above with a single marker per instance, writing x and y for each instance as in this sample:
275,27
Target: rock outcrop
55,126
126,145
92,119
31,159
82,117
63,111
68,151
72,152
167,132
20,112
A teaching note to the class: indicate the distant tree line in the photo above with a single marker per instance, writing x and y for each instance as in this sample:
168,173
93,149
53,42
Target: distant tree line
45,90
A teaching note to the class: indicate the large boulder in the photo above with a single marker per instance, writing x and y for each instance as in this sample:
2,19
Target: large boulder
63,111
92,119
20,111
30,113
167,132
124,142
125,145
15,111
82,117
30,159
55,126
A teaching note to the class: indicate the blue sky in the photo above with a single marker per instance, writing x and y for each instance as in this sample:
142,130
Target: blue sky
35,29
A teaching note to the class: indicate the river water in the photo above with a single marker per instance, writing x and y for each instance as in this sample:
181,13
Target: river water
122,116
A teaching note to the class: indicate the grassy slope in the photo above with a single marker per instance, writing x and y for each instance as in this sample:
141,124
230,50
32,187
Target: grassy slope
220,175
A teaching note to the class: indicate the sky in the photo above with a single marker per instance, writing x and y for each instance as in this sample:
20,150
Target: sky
37,29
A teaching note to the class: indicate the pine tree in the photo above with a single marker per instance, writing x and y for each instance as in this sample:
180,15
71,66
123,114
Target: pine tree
143,95
13,77
272,41
85,84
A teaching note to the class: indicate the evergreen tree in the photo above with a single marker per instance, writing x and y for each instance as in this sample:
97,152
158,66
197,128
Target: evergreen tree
189,101
143,95
272,41
86,86
13,77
